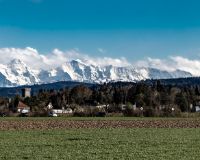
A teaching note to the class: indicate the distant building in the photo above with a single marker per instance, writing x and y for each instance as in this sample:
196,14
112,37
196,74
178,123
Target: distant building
26,92
22,108
62,111
50,106
197,108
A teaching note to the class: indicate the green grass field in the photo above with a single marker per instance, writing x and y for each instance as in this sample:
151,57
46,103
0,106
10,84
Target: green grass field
92,144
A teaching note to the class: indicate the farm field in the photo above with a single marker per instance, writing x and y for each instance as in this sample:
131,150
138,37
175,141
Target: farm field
99,138
48,123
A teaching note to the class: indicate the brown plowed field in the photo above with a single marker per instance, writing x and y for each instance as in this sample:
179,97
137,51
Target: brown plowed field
45,124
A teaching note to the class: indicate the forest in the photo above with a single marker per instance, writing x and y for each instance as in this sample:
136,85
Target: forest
126,98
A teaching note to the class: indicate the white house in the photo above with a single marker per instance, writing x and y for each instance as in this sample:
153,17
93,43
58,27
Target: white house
63,111
197,108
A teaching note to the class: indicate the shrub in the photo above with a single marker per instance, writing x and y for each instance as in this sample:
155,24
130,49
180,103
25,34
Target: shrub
38,114
168,112
113,108
12,114
79,112
89,112
151,112
133,113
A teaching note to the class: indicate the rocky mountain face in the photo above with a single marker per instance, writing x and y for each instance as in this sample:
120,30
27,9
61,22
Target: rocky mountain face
18,73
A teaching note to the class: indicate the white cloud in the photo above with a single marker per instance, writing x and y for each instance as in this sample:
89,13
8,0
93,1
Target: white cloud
57,57
192,66
172,63
104,61
166,65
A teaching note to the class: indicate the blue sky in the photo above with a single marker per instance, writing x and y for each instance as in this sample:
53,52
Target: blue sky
134,29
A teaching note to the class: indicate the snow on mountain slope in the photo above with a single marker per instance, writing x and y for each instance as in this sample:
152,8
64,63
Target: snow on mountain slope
122,73
80,71
89,73
53,75
18,73
152,73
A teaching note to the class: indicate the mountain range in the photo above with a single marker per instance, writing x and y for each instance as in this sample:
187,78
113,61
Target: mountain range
17,73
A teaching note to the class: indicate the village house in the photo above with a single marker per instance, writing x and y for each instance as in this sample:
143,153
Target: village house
54,112
22,108
196,107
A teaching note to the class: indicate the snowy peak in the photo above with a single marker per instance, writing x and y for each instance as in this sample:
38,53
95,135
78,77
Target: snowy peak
17,67
152,73
16,61
17,72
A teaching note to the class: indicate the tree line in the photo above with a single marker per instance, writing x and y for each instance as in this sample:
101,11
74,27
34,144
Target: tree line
153,99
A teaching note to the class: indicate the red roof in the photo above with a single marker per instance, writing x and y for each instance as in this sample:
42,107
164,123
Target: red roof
21,105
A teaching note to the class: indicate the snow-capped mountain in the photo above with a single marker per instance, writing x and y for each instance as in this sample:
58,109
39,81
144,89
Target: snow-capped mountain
18,73
152,73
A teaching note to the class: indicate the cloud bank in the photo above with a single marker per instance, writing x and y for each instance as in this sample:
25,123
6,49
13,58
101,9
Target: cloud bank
54,59
57,57
172,63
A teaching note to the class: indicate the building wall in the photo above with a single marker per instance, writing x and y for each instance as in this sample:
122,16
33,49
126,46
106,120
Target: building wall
26,92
